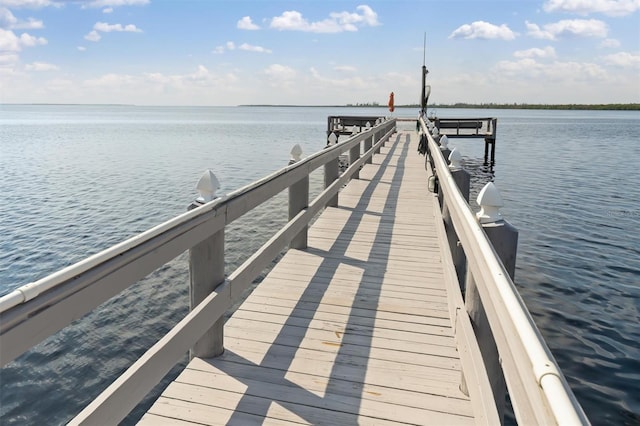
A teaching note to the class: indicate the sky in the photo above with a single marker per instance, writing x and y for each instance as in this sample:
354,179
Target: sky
223,53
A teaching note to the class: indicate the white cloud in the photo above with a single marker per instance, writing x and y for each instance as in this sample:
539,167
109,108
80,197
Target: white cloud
337,22
280,72
250,48
107,28
93,36
232,46
354,83
609,43
483,30
623,60
246,24
568,28
546,52
530,69
29,4
10,22
8,58
30,41
367,17
201,85
107,10
586,7
41,66
115,3
81,48
110,81
345,68
10,42
535,31
104,27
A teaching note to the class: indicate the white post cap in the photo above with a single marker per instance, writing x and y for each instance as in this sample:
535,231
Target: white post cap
435,132
368,125
296,153
207,186
490,202
333,139
355,131
444,142
455,160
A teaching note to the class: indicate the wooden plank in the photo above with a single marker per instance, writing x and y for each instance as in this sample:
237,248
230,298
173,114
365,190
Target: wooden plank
430,280
288,393
321,386
345,356
408,287
292,336
368,289
304,309
319,329
356,325
437,309
156,420
308,348
210,414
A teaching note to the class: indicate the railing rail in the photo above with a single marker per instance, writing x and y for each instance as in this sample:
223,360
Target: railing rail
538,390
33,312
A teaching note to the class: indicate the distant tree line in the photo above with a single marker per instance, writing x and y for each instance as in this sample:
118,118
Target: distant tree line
624,107
366,104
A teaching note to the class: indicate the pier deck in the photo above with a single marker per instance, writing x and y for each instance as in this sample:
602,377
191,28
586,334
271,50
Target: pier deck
354,329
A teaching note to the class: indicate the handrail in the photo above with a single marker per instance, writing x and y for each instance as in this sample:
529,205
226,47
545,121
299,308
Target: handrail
35,311
122,395
112,405
515,332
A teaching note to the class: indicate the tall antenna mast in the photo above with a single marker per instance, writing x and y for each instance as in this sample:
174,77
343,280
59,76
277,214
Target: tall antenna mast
424,51
425,94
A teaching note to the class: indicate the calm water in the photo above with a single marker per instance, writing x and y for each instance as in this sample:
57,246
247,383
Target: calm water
77,179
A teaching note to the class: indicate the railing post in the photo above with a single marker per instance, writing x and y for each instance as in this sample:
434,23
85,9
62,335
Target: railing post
368,143
206,272
298,200
445,151
354,155
504,238
462,178
331,173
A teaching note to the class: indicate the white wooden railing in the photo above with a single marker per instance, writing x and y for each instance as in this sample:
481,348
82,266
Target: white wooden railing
35,311
537,388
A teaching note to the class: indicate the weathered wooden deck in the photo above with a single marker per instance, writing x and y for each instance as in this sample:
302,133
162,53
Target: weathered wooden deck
352,330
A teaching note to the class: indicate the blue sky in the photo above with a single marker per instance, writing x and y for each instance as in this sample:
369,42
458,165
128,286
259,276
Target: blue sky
215,52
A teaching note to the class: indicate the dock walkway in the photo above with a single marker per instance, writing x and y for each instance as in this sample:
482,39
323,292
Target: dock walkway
354,329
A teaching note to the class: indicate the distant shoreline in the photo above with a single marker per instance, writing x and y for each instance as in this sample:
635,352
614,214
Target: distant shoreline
600,107
609,107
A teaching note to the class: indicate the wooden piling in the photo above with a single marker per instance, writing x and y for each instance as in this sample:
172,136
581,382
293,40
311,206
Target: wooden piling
299,200
504,239
354,155
206,271
368,144
331,173
462,178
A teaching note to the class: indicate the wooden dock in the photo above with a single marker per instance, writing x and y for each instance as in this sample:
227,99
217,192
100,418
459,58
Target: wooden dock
361,322
354,329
